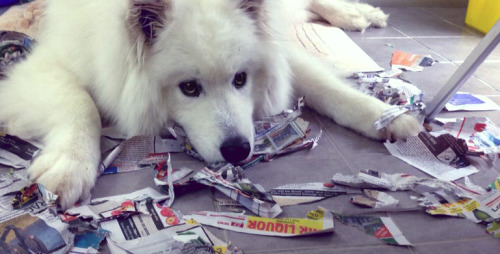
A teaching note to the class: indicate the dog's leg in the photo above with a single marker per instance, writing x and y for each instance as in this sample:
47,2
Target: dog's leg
328,95
349,15
44,101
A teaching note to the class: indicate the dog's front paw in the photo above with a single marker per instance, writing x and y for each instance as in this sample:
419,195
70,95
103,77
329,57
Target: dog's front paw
377,17
69,175
402,127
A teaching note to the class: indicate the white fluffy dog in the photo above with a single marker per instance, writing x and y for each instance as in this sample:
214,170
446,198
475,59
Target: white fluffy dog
211,66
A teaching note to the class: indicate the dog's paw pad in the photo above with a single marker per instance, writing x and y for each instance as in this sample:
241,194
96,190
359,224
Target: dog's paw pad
67,176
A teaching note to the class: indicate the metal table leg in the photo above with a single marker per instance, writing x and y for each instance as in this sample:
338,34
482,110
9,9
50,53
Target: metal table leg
470,65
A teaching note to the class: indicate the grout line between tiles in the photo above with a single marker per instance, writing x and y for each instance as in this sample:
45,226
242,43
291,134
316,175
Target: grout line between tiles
342,156
461,26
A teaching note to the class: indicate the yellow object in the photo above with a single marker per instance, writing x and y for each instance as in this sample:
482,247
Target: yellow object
482,14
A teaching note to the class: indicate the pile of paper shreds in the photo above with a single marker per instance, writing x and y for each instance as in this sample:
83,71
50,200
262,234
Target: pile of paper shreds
275,136
437,197
144,222
391,88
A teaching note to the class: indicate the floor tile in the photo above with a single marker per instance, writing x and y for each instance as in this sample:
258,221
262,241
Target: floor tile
381,49
419,227
418,22
488,72
433,78
347,140
344,238
455,16
383,162
386,32
485,244
456,49
296,170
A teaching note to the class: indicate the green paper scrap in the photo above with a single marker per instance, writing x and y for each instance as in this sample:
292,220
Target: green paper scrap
495,185
494,228
382,228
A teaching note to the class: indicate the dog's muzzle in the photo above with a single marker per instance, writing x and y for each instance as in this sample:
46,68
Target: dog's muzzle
235,149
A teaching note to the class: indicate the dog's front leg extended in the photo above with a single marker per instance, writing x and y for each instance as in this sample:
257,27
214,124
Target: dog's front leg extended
328,95
49,105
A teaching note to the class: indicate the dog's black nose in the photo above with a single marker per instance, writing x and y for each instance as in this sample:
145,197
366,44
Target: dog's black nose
235,149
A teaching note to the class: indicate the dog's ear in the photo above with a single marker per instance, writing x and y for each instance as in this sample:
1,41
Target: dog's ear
252,7
146,18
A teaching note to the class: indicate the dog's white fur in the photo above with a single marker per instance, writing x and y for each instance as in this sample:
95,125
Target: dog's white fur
94,60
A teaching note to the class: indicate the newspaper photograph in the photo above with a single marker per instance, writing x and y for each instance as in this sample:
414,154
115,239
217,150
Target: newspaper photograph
27,223
442,157
481,134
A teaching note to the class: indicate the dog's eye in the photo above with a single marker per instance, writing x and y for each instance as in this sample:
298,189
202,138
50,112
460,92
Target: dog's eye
240,79
190,88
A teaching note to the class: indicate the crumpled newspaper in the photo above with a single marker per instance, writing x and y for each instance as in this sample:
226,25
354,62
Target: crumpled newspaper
392,88
316,221
275,136
232,182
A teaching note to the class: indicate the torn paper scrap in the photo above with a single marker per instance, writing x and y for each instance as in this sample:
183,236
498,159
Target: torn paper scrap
481,134
442,157
493,228
16,152
180,238
317,221
374,199
495,185
31,218
404,182
470,102
231,181
126,204
126,156
88,234
382,228
293,194
394,91
482,208
411,62
368,178
40,233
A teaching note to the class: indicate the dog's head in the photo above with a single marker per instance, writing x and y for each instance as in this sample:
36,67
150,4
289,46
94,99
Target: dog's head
205,56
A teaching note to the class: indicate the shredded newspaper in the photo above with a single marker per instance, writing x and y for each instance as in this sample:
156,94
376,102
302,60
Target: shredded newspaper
141,222
383,228
299,193
317,221
391,88
374,199
231,181
27,223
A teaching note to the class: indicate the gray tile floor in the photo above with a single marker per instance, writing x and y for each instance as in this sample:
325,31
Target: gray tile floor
439,32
